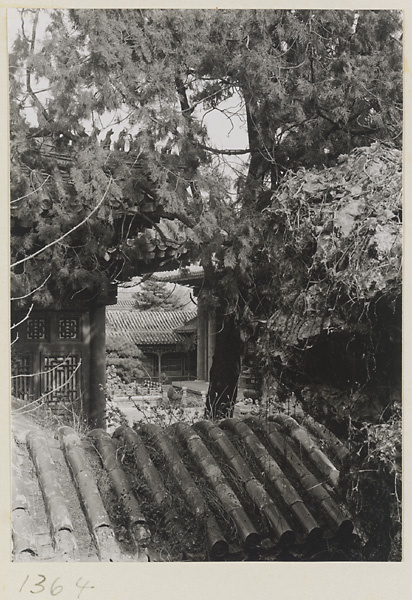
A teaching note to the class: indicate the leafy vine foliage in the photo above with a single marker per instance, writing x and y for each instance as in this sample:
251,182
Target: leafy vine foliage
334,240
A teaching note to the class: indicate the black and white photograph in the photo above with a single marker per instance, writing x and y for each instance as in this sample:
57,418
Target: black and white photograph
206,249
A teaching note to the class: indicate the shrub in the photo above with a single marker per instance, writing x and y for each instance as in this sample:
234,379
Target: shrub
126,358
372,484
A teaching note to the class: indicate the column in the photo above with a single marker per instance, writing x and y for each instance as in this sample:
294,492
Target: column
159,365
211,341
97,406
201,338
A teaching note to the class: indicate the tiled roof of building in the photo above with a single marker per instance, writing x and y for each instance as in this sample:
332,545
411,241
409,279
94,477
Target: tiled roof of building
125,302
188,327
245,488
148,327
190,273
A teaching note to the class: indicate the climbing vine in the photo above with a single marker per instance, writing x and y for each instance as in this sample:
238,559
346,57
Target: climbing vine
333,244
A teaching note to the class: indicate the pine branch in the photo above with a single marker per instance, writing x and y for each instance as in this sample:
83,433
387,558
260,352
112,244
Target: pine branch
340,125
26,316
32,192
179,216
184,103
33,291
23,260
157,228
186,112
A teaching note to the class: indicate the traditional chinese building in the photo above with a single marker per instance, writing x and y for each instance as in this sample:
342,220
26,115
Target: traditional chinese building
205,322
58,352
194,277
59,357
167,339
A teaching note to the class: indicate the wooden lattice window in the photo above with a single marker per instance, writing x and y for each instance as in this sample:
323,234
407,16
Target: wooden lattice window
36,329
69,328
22,376
61,380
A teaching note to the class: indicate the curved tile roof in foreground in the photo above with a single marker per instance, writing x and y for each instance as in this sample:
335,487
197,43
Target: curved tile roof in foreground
243,489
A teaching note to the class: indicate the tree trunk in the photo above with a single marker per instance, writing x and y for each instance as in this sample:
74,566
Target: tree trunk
225,370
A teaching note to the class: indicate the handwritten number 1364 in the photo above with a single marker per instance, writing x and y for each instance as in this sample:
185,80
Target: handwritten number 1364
55,588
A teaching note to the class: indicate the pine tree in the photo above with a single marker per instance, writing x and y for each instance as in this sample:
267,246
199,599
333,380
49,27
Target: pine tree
155,295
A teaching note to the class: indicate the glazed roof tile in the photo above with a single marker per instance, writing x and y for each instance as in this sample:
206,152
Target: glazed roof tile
262,487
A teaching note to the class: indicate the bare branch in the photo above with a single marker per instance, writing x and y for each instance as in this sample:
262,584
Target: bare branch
15,325
23,409
191,108
23,260
33,291
32,192
41,372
